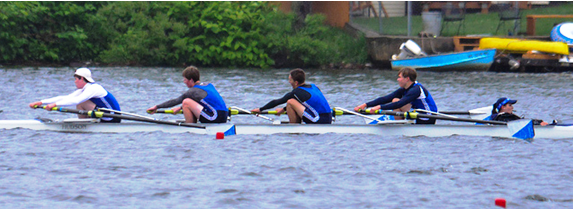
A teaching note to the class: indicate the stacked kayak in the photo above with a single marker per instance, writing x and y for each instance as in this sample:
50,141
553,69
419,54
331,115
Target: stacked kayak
521,46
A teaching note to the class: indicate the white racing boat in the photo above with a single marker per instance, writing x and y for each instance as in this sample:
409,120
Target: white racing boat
522,129
401,128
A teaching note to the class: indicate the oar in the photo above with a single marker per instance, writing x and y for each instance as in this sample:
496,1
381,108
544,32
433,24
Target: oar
126,113
522,129
477,111
99,114
358,114
256,115
436,113
166,111
266,112
414,115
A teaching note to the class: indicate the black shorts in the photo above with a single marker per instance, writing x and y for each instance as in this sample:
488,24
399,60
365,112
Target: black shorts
220,118
324,118
427,121
114,120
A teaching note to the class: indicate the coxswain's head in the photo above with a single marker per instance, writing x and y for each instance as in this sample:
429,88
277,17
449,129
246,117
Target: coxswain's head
503,104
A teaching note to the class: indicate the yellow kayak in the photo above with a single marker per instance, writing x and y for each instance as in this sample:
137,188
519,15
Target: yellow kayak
521,46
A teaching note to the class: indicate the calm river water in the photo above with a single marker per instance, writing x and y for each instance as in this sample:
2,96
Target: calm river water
40,169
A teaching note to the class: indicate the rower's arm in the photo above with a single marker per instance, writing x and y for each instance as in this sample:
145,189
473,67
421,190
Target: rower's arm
195,94
279,101
408,98
385,99
82,95
59,98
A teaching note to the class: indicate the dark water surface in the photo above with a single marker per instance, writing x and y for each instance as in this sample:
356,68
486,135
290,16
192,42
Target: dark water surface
40,169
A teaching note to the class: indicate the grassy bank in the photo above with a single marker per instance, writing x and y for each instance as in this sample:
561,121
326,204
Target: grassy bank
474,23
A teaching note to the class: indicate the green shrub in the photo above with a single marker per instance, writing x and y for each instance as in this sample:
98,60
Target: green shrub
314,45
176,33
46,31
229,34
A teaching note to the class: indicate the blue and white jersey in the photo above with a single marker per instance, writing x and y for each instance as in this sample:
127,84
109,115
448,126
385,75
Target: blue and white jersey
317,101
91,91
424,100
212,103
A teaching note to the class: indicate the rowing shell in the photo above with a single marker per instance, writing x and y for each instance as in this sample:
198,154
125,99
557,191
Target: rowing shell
439,130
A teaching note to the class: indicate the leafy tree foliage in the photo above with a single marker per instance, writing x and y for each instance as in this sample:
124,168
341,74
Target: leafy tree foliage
240,34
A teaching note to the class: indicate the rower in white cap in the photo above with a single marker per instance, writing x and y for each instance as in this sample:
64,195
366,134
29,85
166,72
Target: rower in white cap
89,96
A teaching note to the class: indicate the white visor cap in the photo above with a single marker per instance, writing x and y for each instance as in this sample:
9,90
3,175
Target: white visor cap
86,73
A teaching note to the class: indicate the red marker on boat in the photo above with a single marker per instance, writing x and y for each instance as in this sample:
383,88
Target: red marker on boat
220,135
500,202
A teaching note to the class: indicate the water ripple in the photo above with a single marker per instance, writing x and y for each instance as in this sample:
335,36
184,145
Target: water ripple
160,170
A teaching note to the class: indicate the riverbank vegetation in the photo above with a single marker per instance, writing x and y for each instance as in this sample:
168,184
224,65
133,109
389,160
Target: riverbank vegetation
214,34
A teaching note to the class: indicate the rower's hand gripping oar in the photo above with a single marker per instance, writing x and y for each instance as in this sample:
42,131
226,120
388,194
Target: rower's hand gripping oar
522,129
256,115
99,114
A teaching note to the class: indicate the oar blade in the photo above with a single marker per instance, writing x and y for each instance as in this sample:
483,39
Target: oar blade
482,113
522,129
227,129
381,118
481,110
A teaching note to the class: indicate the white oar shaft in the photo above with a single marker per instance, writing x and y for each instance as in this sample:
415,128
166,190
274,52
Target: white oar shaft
358,114
436,113
127,113
260,116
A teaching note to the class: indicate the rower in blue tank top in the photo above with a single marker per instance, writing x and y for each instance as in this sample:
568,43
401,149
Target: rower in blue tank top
202,102
305,103
88,96
410,95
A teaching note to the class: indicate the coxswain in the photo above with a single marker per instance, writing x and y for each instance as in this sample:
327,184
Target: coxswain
502,110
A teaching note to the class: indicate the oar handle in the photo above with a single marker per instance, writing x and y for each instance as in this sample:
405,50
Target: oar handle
357,114
241,110
166,111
